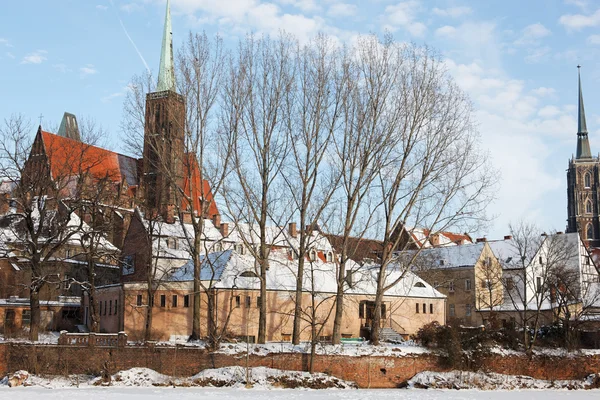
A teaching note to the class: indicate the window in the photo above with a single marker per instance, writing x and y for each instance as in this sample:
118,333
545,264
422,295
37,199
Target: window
424,308
452,310
68,253
431,308
417,308
239,248
26,317
139,300
383,310
249,274
100,303
538,284
172,243
174,302
116,308
486,284
587,180
292,254
590,231
237,301
128,265
509,283
248,300
541,260
105,303
361,310
419,284
219,246
442,263
163,300
467,284
588,207
186,300
451,286
110,308
329,256
258,302
313,255
468,310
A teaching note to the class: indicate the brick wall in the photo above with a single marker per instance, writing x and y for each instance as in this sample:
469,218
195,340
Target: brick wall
374,372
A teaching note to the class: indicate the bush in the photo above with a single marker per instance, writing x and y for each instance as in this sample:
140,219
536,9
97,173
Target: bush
427,335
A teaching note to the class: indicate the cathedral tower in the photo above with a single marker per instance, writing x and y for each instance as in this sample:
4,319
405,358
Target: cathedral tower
583,188
163,135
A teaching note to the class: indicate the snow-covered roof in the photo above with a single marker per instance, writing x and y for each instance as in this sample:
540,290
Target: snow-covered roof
423,238
232,269
465,255
507,252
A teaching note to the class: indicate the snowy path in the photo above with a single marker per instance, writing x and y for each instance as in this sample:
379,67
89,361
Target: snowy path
230,394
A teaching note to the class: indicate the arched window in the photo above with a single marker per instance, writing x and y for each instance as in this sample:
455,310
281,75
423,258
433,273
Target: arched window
588,207
329,256
587,180
589,232
419,284
312,255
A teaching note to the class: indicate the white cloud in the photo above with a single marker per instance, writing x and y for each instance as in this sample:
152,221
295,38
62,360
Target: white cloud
447,30
537,54
88,70
342,10
452,12
544,92
403,15
583,4
304,5
101,7
5,42
10,55
549,111
532,34
575,22
593,39
36,57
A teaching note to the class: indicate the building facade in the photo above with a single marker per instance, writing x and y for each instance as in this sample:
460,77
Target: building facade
583,185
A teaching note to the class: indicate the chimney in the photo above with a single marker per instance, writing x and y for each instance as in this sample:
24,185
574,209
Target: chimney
481,240
435,239
224,227
292,229
508,237
559,233
216,219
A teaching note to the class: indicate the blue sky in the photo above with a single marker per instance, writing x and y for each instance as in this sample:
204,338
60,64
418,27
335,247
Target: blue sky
516,59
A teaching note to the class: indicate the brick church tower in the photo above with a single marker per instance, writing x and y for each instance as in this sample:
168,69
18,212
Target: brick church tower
163,136
583,185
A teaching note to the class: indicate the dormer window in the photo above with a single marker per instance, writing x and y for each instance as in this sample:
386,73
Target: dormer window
329,256
292,254
312,255
239,248
219,246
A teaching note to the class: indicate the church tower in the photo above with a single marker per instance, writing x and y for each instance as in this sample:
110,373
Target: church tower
583,188
163,136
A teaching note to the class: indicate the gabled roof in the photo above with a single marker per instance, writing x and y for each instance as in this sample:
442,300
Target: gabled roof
423,238
68,157
465,255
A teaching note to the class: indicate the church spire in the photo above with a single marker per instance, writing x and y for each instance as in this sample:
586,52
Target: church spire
166,71
583,145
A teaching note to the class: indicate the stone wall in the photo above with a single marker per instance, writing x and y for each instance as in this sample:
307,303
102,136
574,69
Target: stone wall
366,371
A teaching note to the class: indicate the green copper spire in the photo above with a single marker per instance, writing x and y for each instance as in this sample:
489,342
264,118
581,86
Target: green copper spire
583,144
166,71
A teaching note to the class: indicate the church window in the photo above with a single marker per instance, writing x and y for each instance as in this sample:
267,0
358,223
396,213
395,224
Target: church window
587,180
589,231
588,207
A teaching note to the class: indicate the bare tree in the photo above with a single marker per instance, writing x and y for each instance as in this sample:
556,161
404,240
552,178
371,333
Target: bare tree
435,174
312,117
45,202
257,131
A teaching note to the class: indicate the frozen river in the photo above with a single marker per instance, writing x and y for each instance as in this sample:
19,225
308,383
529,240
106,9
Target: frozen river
230,394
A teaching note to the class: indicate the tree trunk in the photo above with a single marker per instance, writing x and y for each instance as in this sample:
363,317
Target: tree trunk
34,325
148,327
298,298
262,318
339,305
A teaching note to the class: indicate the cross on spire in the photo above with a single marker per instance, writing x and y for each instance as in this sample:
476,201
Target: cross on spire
166,71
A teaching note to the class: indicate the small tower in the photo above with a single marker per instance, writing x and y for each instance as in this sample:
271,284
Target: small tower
583,188
163,136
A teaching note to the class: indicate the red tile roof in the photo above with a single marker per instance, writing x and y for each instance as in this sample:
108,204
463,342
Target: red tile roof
192,182
68,157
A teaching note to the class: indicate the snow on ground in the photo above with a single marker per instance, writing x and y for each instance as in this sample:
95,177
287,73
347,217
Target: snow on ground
492,381
243,394
44,338
231,377
353,349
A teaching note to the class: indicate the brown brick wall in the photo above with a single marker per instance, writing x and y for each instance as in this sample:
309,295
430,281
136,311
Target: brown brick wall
374,372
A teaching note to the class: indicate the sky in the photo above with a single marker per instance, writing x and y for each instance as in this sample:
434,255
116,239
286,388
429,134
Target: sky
516,59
